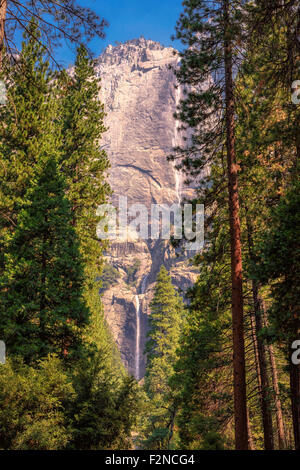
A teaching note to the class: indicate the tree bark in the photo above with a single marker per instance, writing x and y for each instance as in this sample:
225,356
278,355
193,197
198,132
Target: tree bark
255,347
263,379
239,370
265,385
295,399
3,8
278,407
251,445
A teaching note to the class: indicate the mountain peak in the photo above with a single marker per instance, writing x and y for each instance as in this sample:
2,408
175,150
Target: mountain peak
134,51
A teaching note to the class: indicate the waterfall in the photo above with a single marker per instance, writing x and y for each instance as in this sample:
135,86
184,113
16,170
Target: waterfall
138,326
178,185
144,284
137,338
176,142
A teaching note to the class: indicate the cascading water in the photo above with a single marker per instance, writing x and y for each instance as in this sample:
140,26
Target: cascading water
176,142
138,326
137,339
144,284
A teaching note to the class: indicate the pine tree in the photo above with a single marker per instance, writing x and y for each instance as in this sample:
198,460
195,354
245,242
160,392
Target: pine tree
165,323
269,147
50,254
203,372
212,35
42,310
278,262
32,414
85,164
105,409
26,129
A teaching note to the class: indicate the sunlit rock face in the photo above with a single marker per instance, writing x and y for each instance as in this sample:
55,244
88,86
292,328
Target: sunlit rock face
137,87
140,97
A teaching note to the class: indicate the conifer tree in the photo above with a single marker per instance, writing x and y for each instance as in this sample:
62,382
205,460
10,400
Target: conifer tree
106,407
165,325
203,372
42,310
32,414
278,263
46,240
262,152
269,146
84,164
83,161
212,34
26,129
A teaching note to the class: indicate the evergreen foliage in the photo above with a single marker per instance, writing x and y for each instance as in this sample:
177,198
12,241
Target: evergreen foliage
43,265
27,129
165,323
267,148
33,417
50,260
63,385
83,162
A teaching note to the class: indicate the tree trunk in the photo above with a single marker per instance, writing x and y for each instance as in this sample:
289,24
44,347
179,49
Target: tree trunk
295,398
263,379
265,385
3,8
171,427
255,347
262,373
279,416
251,445
239,372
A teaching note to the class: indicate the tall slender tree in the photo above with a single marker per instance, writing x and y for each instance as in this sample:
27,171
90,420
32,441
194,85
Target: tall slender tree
269,123
279,263
165,324
211,34
83,161
26,129
85,164
203,372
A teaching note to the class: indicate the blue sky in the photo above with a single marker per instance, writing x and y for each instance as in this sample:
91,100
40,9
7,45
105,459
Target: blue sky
129,19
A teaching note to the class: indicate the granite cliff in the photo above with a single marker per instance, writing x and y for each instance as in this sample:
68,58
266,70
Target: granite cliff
140,97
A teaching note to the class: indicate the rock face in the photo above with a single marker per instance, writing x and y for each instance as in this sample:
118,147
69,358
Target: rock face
138,90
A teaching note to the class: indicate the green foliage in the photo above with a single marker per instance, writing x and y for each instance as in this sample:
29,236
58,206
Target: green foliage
278,263
84,165
43,408
83,162
132,271
27,129
50,259
32,405
267,147
165,323
105,408
202,30
44,268
202,373
109,277
53,177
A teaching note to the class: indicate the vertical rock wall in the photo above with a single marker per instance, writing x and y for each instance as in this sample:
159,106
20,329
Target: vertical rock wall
138,90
